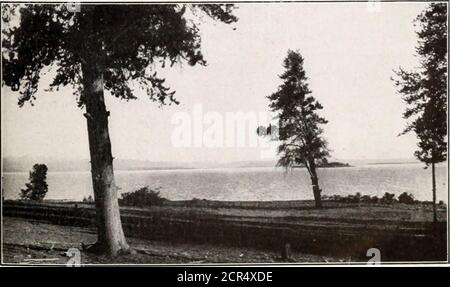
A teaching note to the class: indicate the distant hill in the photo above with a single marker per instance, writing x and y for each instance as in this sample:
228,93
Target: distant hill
23,164
20,164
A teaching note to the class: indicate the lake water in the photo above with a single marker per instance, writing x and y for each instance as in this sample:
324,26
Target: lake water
249,183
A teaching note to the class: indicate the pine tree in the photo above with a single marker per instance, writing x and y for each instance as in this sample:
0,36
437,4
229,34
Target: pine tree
301,136
425,91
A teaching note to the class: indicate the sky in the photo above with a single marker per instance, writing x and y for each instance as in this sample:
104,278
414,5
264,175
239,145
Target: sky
350,52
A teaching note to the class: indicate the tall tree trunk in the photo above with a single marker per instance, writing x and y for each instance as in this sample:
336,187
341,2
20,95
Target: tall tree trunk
110,236
433,174
315,184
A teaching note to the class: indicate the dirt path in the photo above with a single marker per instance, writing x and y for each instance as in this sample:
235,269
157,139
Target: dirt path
35,242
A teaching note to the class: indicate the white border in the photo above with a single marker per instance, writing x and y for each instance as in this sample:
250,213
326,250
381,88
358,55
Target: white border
303,264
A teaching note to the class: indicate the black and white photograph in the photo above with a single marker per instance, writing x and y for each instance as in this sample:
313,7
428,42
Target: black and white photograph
235,133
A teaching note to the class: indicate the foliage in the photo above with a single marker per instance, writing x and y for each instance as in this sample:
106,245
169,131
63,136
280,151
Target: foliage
406,198
125,42
370,199
37,188
425,90
388,198
299,123
144,196
110,47
345,199
88,199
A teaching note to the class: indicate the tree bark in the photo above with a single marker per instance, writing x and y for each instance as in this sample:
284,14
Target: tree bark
110,235
315,184
433,174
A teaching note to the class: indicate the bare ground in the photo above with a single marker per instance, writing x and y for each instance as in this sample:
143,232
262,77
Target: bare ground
36,242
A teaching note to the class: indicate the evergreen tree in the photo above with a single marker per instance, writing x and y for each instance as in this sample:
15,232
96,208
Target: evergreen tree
425,90
301,136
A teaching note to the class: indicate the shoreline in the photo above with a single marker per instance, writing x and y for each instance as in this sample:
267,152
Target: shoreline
242,204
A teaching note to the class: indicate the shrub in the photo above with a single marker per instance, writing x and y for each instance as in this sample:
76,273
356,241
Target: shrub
356,198
366,199
351,198
374,199
88,199
37,188
335,197
345,199
387,198
144,196
406,198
